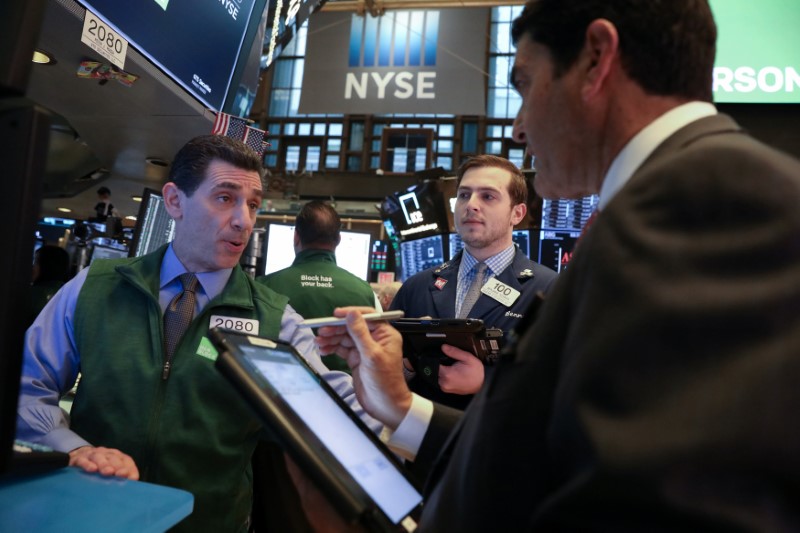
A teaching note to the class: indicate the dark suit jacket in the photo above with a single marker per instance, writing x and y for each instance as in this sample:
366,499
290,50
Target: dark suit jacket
659,387
423,294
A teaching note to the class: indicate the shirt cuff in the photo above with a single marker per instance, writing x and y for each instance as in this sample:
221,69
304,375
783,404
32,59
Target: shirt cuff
62,440
407,438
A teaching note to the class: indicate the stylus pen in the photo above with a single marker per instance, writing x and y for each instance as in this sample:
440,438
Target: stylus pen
336,321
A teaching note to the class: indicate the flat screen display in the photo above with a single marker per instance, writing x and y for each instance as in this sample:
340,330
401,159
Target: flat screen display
521,237
562,222
420,254
201,45
154,226
352,254
51,229
418,211
379,257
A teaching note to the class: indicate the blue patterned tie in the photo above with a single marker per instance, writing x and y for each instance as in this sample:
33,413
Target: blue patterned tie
474,291
178,316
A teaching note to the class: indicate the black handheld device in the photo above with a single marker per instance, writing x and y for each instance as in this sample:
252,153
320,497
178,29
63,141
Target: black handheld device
335,449
423,339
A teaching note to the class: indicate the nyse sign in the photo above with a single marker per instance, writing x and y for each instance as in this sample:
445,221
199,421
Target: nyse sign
401,62
402,85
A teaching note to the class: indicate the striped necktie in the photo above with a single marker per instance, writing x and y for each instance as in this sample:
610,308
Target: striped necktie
178,316
474,291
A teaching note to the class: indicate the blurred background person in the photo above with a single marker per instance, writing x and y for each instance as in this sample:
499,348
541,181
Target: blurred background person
50,273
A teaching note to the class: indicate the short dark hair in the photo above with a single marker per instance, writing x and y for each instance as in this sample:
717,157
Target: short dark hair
666,46
517,188
104,190
189,167
53,263
318,223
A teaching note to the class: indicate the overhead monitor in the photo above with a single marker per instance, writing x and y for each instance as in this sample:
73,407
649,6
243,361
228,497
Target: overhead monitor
154,226
420,254
204,46
419,211
352,254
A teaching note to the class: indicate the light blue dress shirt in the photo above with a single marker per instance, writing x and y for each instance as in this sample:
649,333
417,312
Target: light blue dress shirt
466,271
52,362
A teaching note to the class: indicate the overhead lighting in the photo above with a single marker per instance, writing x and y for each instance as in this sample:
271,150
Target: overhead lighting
130,217
42,57
65,210
136,199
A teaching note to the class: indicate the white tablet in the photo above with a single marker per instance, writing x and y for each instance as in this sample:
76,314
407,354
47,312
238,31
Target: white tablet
346,460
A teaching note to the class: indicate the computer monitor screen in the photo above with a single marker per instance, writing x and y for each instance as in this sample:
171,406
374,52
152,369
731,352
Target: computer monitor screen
352,254
455,244
419,211
562,221
280,247
521,237
101,251
154,226
380,255
419,254
51,229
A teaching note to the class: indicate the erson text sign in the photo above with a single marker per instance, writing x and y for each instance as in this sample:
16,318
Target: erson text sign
758,51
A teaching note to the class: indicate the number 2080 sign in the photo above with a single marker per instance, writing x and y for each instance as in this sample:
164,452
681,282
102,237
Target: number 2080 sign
104,40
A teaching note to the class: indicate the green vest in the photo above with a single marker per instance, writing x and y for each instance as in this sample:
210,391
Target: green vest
316,286
193,430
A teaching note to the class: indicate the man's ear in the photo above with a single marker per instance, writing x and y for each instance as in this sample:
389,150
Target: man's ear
518,213
173,200
601,51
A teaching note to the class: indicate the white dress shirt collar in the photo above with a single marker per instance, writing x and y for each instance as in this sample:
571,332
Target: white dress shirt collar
645,142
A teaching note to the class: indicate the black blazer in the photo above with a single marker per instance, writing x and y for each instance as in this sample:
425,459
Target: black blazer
433,293
658,389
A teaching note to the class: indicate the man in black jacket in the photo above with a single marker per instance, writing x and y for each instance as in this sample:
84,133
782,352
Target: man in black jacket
654,390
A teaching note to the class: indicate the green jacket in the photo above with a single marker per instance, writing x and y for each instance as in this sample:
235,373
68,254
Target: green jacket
192,430
316,286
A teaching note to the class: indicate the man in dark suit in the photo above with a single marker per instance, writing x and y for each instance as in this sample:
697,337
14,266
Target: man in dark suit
491,199
657,388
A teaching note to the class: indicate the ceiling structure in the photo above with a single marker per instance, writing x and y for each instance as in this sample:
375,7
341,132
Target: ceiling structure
124,137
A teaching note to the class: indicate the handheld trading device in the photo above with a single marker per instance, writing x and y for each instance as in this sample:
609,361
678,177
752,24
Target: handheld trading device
423,339
334,448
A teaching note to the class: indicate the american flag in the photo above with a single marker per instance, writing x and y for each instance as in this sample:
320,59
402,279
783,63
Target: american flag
254,138
237,128
230,126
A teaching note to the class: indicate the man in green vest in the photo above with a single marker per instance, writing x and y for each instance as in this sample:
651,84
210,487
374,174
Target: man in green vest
150,404
314,283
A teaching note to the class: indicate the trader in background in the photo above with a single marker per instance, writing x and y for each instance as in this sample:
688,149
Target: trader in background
491,199
104,208
151,404
314,283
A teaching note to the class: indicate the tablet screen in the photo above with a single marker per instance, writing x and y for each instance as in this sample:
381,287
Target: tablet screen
278,369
